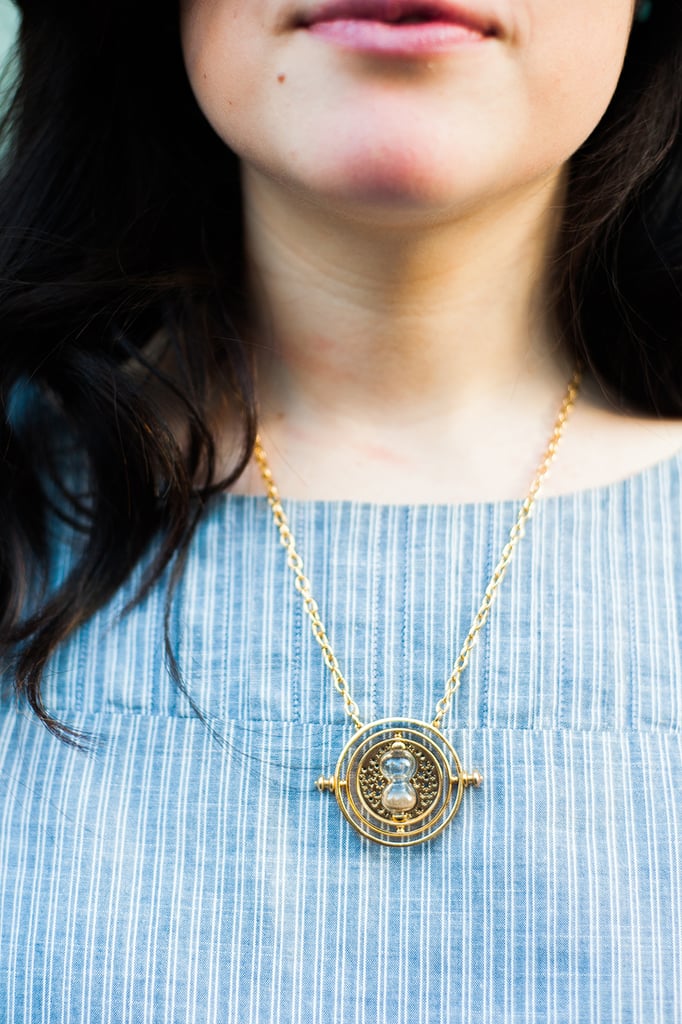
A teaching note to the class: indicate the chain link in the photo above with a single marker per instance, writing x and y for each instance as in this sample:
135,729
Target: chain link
302,583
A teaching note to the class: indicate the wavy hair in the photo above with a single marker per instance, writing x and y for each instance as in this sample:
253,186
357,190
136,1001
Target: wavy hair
122,290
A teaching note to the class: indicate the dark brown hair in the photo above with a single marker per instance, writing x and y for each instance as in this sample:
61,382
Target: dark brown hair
121,289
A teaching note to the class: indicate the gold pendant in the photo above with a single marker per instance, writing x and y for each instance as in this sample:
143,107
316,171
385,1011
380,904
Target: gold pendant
399,782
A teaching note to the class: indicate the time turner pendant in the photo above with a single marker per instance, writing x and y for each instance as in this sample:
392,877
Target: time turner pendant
399,782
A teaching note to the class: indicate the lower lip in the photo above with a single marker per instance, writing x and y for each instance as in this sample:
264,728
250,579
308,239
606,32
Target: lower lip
406,40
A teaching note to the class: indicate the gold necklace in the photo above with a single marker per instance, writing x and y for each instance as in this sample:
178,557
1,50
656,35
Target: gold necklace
399,781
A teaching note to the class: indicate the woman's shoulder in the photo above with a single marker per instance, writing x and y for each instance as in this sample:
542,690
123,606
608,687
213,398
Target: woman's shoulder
608,446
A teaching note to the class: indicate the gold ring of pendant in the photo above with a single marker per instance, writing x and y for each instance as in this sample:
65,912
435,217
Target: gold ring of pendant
399,781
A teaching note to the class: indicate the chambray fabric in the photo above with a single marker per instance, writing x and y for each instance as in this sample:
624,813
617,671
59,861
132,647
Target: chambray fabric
182,873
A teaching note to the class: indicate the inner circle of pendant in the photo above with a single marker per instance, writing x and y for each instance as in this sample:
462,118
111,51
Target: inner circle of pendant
399,782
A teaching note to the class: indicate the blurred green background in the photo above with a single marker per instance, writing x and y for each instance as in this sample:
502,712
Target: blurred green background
8,24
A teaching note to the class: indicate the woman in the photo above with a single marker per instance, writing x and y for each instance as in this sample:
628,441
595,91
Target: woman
384,234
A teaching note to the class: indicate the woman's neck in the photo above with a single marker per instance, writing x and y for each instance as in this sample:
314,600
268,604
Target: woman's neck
418,365
376,324
387,353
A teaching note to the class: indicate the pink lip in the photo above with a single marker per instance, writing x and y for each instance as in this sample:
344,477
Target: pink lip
380,26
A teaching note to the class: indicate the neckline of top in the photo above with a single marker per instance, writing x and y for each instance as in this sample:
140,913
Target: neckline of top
591,494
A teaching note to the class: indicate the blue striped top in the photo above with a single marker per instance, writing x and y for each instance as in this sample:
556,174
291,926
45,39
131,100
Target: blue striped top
189,874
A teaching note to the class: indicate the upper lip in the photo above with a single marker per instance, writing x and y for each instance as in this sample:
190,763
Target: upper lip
398,10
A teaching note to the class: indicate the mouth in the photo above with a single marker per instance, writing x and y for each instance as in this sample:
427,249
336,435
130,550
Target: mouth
401,14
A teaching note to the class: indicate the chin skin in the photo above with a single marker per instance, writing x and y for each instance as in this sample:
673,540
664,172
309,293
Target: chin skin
398,182
390,169
390,165
373,138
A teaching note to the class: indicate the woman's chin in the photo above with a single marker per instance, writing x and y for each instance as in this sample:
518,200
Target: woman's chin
397,189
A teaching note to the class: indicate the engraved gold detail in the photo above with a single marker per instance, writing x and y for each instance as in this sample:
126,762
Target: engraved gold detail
359,782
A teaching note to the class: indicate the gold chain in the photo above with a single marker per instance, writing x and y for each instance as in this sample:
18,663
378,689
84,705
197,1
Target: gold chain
302,583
